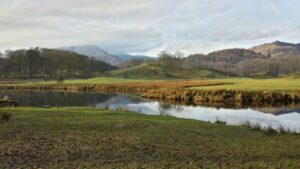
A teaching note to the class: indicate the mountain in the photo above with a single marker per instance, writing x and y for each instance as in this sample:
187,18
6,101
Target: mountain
94,51
127,57
158,71
278,49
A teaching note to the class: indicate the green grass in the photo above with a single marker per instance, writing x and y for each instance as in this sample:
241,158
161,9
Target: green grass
247,84
241,84
158,71
97,80
89,138
104,80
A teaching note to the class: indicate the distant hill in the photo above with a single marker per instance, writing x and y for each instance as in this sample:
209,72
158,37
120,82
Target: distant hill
159,71
229,60
133,63
127,57
94,51
272,59
222,59
278,49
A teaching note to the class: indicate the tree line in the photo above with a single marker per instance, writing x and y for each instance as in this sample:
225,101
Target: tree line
49,63
167,58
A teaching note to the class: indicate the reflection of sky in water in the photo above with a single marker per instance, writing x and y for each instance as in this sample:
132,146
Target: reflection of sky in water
230,116
287,116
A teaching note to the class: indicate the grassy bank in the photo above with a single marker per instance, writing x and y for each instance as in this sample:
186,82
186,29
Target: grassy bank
118,86
84,137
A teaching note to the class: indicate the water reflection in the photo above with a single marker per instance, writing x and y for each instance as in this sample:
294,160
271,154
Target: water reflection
289,120
285,116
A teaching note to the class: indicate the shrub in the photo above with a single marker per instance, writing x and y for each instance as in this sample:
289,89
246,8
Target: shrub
5,116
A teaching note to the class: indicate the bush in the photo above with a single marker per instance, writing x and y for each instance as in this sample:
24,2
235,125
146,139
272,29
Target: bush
5,116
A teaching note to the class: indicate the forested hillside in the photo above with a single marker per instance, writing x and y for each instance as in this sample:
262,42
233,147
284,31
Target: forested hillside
49,63
273,59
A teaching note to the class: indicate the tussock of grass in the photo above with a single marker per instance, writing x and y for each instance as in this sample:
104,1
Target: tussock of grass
269,130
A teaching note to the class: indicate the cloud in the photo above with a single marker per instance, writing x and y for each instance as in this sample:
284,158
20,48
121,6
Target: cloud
251,35
136,26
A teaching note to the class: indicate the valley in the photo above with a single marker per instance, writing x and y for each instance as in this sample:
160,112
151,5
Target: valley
196,84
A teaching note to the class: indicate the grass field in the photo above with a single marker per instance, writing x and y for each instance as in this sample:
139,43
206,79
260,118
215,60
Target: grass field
100,80
89,138
97,80
242,84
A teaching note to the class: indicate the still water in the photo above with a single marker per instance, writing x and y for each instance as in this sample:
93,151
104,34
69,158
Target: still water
284,116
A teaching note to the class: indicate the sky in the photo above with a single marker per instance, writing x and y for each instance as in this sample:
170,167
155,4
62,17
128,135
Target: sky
148,27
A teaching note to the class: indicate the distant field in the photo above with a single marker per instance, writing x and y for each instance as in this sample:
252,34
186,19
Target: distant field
104,80
242,84
282,84
89,138
98,80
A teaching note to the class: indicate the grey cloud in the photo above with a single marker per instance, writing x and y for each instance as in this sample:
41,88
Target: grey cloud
251,35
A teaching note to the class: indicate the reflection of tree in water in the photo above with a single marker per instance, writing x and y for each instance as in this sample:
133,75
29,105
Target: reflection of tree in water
165,108
56,98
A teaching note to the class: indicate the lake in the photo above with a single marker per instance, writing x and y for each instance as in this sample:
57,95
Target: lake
281,116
